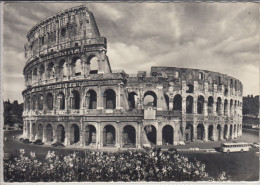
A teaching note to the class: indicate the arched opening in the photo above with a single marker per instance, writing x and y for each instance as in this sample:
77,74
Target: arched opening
200,104
225,91
150,132
40,132
49,101
75,101
225,107
51,71
225,132
49,134
218,108
93,62
90,135
61,101
189,104
235,107
167,135
33,102
231,107
41,72
74,134
40,102
132,100
109,135
189,132
91,99
210,133
177,102
231,131
190,88
63,68
166,97
76,66
110,99
33,131
129,136
219,132
35,74
150,99
60,133
200,132
210,104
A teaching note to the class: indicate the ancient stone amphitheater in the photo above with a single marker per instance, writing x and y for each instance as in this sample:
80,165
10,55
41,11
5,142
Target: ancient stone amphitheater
73,96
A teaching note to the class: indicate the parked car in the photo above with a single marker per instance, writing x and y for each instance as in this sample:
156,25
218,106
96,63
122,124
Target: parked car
27,141
255,145
172,150
38,142
57,144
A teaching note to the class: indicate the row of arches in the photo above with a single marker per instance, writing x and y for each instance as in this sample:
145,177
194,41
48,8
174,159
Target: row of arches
38,102
63,68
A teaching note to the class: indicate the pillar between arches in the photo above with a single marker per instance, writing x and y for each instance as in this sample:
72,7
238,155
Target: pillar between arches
206,128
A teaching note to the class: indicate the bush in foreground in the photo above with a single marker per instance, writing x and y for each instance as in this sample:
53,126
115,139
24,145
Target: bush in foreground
152,165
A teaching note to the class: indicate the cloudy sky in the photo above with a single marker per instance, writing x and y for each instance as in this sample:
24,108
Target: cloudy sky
221,37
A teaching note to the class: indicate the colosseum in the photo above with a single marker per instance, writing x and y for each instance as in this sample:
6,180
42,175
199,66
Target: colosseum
73,96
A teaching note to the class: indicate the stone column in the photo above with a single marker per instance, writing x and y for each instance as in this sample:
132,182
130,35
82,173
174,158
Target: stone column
195,105
31,131
138,135
67,135
44,133
118,97
54,135
81,139
228,130
183,105
214,108
206,128
205,108
100,98
170,103
159,135
194,131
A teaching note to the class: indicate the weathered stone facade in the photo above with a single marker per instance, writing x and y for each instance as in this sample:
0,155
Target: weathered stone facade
72,95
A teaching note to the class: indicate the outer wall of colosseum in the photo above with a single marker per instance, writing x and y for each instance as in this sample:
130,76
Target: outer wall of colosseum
72,96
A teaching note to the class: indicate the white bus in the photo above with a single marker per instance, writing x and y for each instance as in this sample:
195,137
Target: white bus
234,147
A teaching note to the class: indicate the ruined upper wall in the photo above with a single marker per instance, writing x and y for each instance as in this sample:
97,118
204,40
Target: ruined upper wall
67,29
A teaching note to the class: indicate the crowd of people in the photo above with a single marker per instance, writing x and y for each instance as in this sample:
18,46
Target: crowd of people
149,165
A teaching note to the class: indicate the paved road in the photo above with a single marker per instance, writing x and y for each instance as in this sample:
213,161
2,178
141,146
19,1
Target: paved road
240,166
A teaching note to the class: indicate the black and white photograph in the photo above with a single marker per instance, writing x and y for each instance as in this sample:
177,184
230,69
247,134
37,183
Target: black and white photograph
142,92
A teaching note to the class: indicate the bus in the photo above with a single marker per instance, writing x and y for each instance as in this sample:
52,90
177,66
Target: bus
234,147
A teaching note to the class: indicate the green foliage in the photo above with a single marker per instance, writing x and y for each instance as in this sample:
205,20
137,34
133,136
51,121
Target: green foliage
152,165
251,105
13,112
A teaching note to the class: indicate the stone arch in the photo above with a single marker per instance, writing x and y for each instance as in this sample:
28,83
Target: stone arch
210,104
132,100
219,132
34,131
167,135
231,131
61,101
210,132
40,102
225,132
76,66
129,136
50,70
49,133
225,107
40,132
167,100
41,72
177,102
190,88
74,134
200,105
63,69
109,99
91,99
49,101
93,64
151,134
60,133
75,101
200,132
218,107
34,99
148,95
189,132
189,104
109,135
90,135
